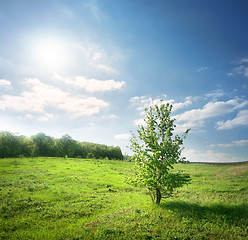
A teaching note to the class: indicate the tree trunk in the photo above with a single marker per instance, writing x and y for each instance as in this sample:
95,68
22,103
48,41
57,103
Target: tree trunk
158,196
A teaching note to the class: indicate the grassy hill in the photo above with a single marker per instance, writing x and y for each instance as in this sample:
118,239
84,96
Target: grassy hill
58,198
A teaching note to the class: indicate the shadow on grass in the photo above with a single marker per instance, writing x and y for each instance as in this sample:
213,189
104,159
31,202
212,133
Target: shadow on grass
232,214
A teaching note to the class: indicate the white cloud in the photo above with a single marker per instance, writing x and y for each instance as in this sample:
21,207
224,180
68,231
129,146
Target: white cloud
42,97
211,109
46,117
33,101
181,105
122,136
20,104
202,69
4,82
244,60
242,103
195,118
215,94
229,74
101,61
143,102
29,116
92,85
210,156
139,121
239,143
180,128
221,145
240,120
241,69
106,68
44,92
109,116
96,58
246,72
82,106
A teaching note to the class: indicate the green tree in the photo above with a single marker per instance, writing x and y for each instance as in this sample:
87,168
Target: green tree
156,150
67,146
12,145
115,153
9,145
26,146
44,145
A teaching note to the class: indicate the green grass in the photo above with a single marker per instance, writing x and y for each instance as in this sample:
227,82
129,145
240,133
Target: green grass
57,198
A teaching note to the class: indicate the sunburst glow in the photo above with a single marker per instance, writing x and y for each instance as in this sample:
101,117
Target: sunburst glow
50,54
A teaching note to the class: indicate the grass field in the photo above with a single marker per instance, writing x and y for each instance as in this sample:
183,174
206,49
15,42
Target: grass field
57,198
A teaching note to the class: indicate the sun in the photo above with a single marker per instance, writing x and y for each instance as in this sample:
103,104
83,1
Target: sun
50,54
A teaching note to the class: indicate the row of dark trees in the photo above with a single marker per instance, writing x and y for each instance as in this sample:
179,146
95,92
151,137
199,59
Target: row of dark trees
12,145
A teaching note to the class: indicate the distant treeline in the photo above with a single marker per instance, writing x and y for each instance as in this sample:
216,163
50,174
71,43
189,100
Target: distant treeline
12,145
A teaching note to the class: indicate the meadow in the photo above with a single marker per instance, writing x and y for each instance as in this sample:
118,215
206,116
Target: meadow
65,198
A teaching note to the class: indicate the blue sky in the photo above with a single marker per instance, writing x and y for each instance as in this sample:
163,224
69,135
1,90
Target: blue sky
89,68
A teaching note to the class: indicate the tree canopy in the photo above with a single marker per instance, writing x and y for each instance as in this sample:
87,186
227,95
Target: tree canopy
156,150
12,145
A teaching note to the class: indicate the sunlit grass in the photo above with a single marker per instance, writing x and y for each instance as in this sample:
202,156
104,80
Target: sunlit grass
58,198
